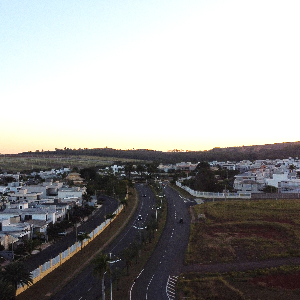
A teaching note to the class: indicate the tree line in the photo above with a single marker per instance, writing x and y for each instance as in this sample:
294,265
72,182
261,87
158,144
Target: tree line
268,151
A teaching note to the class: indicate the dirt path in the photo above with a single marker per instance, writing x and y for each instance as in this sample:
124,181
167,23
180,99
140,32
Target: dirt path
240,266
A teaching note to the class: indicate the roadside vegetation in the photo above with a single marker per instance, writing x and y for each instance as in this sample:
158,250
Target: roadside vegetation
243,231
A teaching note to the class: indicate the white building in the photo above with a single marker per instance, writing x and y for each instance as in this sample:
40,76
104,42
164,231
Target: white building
44,214
71,193
247,182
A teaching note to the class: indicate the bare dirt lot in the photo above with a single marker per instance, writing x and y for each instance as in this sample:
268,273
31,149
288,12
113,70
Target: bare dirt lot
246,248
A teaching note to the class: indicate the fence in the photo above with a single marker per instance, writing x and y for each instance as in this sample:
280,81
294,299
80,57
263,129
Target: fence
55,262
210,195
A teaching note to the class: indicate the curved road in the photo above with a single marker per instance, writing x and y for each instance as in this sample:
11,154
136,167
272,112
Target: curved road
158,278
34,261
86,285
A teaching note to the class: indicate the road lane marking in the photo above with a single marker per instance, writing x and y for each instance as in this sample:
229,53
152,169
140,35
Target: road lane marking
170,287
148,286
134,284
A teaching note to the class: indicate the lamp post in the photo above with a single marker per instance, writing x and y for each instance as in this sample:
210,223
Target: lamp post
111,262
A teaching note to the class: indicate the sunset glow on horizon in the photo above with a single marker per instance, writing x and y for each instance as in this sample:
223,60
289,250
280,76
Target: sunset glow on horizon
159,75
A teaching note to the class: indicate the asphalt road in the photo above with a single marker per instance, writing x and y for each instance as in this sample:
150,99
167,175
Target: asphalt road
34,261
157,280
86,285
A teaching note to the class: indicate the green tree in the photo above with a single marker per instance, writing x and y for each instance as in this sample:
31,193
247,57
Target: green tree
15,273
205,180
101,266
127,255
124,203
83,236
110,217
85,198
7,292
270,189
88,173
128,169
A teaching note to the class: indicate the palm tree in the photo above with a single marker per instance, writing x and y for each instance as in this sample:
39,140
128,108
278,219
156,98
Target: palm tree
101,266
83,236
124,203
110,217
7,292
127,255
15,273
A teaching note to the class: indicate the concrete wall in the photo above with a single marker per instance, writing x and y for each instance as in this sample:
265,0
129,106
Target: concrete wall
57,261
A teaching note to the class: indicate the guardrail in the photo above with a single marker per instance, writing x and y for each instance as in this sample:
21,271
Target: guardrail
62,257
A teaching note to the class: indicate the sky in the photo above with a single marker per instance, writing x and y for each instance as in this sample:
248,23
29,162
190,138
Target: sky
155,74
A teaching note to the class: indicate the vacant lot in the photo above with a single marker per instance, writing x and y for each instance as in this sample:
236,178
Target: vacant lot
243,231
19,163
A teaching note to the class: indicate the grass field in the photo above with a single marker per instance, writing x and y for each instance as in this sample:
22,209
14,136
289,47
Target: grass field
243,231
19,164
239,230
273,284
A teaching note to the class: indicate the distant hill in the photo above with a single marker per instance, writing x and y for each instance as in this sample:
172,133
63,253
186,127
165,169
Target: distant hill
268,151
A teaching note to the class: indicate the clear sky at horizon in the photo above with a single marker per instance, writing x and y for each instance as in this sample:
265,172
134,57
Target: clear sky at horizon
157,74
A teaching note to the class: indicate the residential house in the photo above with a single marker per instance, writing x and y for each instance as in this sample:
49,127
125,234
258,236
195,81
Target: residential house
23,195
75,178
45,214
247,182
72,193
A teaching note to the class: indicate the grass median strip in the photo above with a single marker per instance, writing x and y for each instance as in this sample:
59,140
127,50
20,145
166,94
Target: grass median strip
122,286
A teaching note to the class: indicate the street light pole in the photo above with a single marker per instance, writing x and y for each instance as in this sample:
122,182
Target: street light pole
110,278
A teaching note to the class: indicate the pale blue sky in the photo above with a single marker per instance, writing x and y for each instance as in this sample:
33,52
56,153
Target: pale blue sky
165,74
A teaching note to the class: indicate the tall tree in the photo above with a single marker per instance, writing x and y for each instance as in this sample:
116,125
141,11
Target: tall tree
7,292
83,236
205,180
15,273
128,169
101,266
